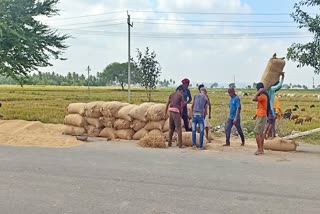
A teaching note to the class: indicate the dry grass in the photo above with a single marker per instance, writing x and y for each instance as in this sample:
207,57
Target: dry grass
153,142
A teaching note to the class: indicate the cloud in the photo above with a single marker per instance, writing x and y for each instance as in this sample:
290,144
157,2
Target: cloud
215,57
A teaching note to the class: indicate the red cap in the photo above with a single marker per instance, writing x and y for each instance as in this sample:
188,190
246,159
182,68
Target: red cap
185,81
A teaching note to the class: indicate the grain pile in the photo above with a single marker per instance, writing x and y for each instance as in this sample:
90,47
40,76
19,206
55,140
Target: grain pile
26,133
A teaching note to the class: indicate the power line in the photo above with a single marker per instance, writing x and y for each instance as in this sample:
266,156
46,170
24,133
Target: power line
84,23
209,21
211,13
84,16
94,26
216,25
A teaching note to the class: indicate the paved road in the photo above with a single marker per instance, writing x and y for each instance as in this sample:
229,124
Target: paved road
121,178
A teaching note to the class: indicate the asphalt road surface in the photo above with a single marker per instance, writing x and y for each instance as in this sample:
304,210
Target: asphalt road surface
117,177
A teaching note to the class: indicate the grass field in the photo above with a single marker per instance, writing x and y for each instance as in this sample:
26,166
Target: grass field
48,104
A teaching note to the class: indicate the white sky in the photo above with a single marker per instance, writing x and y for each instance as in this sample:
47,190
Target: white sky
201,60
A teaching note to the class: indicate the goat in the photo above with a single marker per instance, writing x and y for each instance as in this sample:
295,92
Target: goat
308,119
294,109
299,121
288,110
286,115
296,106
312,106
293,117
303,109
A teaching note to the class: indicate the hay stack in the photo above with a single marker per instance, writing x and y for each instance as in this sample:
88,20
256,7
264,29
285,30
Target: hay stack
153,142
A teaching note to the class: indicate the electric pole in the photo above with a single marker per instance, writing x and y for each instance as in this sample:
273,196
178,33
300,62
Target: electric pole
88,69
130,25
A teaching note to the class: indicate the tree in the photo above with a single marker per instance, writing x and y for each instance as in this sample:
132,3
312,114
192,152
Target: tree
305,87
118,73
148,69
232,85
307,54
25,42
214,85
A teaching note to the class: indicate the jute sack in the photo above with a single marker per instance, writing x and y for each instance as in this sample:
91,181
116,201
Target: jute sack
156,112
174,136
125,134
279,144
272,72
107,121
155,132
140,134
136,125
95,122
74,120
110,109
121,124
187,139
93,109
154,125
76,108
93,131
74,130
139,112
189,106
123,113
108,133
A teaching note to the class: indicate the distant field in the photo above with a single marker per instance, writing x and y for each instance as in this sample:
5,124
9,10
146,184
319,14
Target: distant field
48,104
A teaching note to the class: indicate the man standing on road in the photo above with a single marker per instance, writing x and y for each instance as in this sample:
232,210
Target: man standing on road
199,111
234,117
261,97
208,116
187,99
175,105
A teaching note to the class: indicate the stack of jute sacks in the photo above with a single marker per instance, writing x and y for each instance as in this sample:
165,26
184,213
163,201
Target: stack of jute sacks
115,119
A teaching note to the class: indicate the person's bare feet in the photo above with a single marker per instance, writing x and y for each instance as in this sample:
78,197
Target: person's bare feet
259,153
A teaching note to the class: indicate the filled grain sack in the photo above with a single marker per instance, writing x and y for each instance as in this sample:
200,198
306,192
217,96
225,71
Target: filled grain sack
110,109
156,112
107,121
93,131
136,125
93,109
187,139
123,113
155,132
140,134
174,136
280,144
125,134
76,108
139,112
74,130
74,120
94,121
108,133
272,72
189,106
121,124
154,125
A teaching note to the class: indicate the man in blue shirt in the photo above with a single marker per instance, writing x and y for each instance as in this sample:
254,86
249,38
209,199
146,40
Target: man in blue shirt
234,117
199,111
187,99
270,130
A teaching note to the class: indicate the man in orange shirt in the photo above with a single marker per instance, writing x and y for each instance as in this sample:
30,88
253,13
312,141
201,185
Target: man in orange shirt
261,116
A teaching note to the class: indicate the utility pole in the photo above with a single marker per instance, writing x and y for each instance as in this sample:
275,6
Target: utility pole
88,69
130,25
313,86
